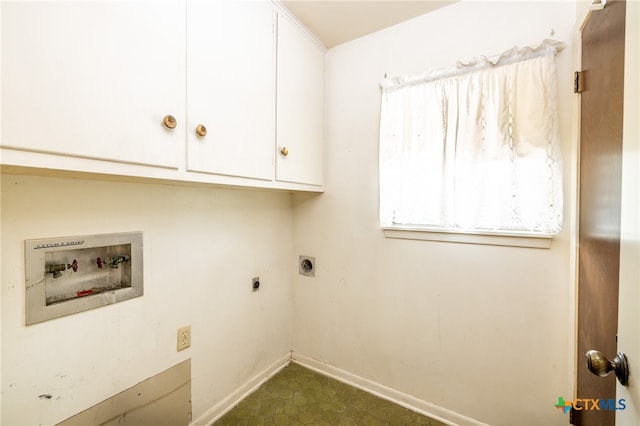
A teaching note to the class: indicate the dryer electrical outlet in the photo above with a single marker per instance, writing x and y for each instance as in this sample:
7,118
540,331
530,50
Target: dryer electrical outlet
67,275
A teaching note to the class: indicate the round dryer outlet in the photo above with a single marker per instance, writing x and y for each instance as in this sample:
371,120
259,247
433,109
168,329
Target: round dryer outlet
307,266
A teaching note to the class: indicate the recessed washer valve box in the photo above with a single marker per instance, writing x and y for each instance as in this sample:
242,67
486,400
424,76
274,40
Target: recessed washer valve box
67,275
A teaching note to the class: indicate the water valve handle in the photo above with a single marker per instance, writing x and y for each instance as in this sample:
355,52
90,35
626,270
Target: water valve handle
74,265
100,262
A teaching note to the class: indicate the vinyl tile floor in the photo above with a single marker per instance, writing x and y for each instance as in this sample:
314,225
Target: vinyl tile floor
299,396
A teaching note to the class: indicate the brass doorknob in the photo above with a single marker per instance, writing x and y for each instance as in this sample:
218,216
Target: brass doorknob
169,121
201,130
284,151
599,365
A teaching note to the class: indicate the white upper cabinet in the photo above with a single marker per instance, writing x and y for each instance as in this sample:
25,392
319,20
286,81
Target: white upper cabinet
94,79
206,91
231,77
300,106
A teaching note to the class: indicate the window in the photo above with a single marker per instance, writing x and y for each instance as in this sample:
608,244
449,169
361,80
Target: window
474,148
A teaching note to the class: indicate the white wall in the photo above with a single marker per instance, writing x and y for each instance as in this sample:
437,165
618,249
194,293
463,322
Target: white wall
483,331
628,315
202,246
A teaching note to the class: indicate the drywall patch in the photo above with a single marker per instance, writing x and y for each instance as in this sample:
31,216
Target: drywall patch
164,399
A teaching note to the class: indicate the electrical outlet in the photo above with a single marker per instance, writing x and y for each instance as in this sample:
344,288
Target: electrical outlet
184,337
307,266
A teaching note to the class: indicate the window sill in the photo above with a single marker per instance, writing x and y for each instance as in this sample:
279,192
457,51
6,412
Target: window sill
511,239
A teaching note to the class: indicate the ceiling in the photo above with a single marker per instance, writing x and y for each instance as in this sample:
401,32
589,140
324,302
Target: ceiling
338,21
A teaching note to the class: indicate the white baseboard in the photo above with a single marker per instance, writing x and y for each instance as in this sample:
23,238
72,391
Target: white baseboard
221,408
430,410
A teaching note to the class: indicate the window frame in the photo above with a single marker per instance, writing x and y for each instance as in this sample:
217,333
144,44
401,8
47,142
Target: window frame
493,238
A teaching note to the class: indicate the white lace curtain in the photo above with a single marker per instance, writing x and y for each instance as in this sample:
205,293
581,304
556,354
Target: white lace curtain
475,147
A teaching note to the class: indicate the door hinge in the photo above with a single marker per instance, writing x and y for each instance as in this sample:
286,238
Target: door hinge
578,82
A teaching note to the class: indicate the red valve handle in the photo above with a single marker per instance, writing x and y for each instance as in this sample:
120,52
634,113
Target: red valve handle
100,262
74,265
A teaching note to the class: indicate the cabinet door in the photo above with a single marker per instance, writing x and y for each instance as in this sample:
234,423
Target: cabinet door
231,87
94,79
300,106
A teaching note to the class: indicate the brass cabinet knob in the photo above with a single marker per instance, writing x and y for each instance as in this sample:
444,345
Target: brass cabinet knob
169,121
284,151
201,130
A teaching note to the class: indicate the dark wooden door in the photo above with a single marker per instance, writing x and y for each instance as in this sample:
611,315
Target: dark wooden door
599,206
